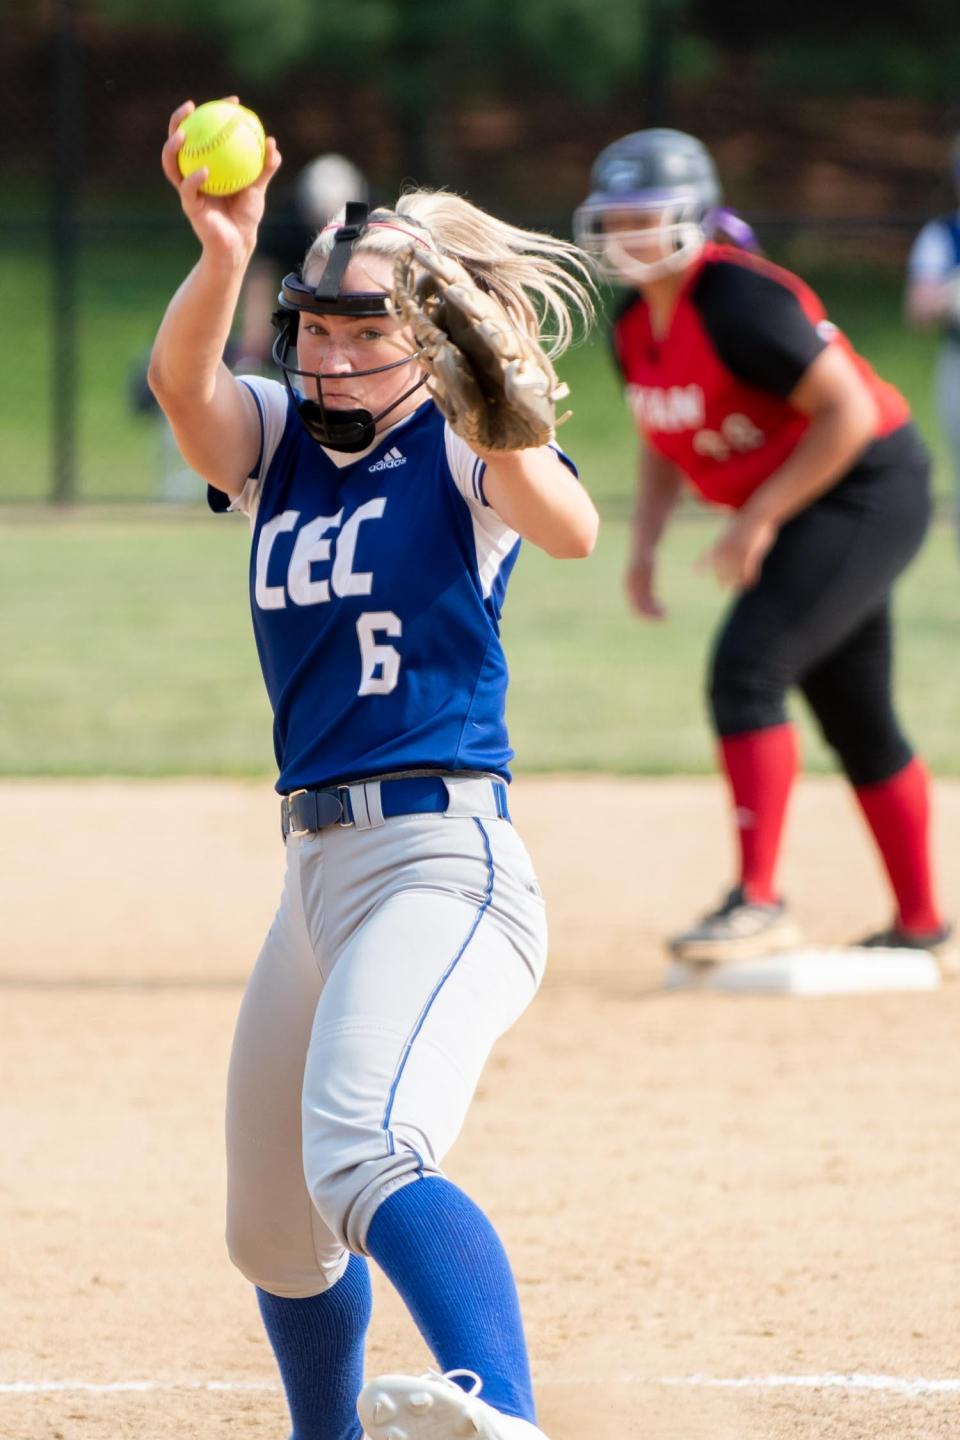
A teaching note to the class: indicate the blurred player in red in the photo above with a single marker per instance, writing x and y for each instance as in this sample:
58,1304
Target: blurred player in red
740,385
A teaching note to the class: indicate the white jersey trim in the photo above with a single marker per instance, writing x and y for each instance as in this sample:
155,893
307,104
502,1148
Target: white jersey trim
466,468
271,402
493,538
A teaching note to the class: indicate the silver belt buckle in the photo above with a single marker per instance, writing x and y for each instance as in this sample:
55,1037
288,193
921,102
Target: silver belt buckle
290,830
346,807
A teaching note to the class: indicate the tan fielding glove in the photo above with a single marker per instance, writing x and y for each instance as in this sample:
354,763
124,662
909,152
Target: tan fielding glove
492,382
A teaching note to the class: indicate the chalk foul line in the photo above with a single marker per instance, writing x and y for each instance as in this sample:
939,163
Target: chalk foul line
891,1384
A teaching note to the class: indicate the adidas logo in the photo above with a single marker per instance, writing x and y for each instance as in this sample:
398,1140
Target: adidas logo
390,461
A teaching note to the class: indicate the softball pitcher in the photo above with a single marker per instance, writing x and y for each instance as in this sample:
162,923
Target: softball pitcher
411,932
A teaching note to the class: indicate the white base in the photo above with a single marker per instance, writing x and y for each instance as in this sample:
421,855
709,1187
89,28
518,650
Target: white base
840,971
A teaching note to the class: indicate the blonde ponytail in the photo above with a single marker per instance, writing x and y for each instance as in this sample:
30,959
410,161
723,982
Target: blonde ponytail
543,283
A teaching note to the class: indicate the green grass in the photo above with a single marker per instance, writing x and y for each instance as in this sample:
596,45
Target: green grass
596,689
126,649
123,288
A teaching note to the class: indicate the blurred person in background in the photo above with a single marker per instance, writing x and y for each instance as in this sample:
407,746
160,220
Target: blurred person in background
933,300
740,386
320,191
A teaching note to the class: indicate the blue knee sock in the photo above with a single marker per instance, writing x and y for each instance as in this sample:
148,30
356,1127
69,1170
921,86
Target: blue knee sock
318,1343
443,1256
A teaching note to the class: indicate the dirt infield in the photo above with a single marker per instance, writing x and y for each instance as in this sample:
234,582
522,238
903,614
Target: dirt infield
734,1218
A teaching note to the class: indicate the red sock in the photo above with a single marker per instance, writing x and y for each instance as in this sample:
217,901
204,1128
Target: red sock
898,813
760,766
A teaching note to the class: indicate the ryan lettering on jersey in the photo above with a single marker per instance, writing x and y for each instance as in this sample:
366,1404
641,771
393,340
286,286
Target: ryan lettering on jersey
711,394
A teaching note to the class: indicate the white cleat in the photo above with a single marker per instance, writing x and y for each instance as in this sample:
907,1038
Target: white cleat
434,1407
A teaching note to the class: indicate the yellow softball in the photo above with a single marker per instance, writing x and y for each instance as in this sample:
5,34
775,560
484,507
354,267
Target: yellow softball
227,139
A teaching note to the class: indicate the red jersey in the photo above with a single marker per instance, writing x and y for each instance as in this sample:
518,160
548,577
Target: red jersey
712,393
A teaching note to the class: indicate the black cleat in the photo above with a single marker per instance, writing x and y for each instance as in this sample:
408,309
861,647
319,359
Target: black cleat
739,929
941,944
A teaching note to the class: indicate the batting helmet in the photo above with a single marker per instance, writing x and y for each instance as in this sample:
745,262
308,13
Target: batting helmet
651,174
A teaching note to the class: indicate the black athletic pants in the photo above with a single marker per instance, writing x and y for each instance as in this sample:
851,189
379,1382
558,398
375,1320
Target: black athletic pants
820,617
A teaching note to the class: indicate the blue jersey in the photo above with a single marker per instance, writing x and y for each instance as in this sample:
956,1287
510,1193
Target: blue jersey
376,585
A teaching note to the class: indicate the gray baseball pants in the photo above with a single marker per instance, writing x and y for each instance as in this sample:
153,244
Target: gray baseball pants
401,950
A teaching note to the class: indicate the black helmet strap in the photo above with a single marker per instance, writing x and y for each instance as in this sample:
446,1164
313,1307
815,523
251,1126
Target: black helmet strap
344,240
327,297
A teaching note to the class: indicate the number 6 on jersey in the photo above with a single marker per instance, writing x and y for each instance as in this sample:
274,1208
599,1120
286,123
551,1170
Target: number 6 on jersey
374,656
